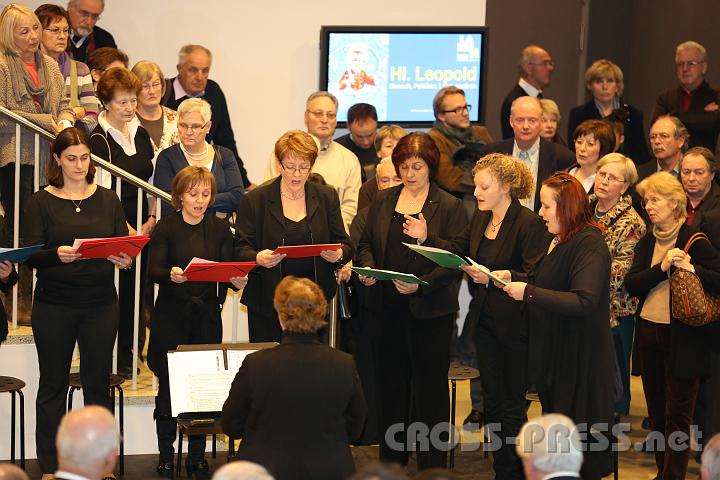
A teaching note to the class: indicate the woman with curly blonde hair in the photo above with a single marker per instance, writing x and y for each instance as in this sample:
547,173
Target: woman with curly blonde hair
503,234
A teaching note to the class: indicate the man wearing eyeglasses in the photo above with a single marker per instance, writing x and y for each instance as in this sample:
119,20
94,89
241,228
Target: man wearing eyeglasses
694,101
86,36
450,131
337,165
536,67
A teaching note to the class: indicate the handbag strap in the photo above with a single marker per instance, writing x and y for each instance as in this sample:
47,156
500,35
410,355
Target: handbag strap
694,238
74,101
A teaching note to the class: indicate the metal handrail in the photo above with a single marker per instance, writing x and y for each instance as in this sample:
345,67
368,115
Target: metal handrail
104,164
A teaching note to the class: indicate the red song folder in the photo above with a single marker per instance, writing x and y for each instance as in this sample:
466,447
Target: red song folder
104,247
301,251
200,270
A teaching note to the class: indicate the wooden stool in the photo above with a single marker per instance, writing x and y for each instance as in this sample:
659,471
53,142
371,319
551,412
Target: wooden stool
115,382
455,373
201,426
14,386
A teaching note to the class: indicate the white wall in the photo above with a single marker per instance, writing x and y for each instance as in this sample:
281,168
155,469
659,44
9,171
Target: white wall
266,54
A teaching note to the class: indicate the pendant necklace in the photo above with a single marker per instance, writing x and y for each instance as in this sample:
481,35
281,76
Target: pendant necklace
77,205
494,226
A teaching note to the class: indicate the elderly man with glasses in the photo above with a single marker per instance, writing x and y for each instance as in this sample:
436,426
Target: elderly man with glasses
86,36
693,101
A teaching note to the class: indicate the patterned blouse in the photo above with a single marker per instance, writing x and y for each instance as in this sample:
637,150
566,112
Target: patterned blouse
623,229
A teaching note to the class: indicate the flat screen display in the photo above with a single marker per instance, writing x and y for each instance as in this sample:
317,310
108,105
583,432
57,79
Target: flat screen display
400,69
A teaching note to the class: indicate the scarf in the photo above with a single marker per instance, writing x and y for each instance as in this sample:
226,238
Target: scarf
461,136
22,83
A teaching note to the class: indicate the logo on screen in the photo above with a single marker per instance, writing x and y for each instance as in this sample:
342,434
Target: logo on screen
465,50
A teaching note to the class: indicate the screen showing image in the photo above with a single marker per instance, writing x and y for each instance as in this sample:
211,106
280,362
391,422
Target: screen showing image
400,72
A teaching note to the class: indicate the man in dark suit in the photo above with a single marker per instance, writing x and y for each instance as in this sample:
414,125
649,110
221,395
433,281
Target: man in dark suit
697,172
694,102
543,157
536,67
87,444
548,446
86,36
193,80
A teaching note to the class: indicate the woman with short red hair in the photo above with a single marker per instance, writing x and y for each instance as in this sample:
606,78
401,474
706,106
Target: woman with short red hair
567,306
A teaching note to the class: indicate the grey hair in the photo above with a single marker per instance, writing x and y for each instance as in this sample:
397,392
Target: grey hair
73,3
681,130
321,94
711,459
242,470
691,45
195,105
551,443
186,50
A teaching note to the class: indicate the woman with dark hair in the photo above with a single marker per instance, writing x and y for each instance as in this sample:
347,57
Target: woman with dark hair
416,321
120,139
288,210
75,301
185,312
312,399
567,306
593,139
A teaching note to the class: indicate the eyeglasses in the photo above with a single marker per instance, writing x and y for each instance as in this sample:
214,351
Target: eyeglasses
57,31
544,63
532,121
602,176
92,16
151,86
459,110
303,169
320,114
689,64
191,127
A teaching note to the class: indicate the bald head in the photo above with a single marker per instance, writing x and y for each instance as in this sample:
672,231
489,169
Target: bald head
242,471
536,66
8,471
87,442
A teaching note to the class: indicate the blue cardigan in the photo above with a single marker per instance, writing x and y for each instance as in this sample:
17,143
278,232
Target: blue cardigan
230,188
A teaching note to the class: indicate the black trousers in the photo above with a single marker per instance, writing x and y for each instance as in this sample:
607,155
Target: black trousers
502,361
126,295
414,357
262,327
56,328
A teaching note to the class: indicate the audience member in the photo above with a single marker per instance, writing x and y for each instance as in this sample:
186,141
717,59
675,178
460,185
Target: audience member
104,59
604,81
193,80
78,82
186,312
8,471
75,301
697,175
452,129
415,321
87,444
570,348
86,35
592,139
385,141
551,122
339,166
289,210
362,123
550,448
241,470
536,67
710,468
194,119
159,120
543,157
312,402
694,101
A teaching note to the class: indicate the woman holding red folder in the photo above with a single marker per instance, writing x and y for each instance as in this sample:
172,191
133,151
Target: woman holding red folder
74,300
185,312
288,210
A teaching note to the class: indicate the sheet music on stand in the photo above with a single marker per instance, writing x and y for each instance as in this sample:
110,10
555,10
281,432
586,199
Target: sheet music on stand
201,375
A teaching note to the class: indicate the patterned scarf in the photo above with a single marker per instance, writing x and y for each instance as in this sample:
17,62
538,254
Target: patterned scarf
22,82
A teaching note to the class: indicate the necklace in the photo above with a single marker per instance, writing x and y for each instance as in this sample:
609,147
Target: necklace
415,202
493,226
77,204
293,196
195,156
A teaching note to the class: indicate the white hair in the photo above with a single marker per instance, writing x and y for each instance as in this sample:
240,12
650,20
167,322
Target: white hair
320,94
199,105
711,459
690,45
242,470
86,437
186,50
551,443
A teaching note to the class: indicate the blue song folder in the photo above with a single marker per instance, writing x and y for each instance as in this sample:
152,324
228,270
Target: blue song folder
18,255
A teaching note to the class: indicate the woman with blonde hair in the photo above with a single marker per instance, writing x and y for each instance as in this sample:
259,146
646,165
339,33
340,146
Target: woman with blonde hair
551,121
159,120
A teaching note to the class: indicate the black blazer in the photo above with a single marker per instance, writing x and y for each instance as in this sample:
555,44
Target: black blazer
520,244
689,345
260,225
635,145
553,157
445,217
296,408
515,92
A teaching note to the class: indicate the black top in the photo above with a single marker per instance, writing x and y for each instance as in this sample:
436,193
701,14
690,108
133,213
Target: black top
368,190
53,222
139,165
174,243
367,156
98,38
298,233
398,258
221,132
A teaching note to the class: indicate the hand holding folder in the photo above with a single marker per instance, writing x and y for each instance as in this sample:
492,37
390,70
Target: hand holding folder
200,270
111,246
302,251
